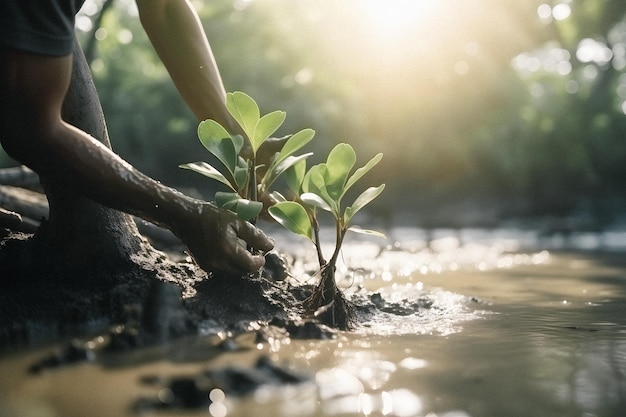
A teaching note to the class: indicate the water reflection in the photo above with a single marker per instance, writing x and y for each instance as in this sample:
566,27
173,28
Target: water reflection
471,327
600,381
344,393
401,403
416,251
584,366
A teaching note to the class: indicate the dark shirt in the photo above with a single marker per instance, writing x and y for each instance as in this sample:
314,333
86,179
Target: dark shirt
39,26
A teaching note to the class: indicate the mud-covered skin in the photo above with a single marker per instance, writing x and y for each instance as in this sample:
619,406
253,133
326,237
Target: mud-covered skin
219,240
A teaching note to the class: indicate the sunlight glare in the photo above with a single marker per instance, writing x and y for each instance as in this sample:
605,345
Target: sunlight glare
396,17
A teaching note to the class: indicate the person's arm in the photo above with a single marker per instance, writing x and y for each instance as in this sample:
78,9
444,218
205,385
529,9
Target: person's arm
177,35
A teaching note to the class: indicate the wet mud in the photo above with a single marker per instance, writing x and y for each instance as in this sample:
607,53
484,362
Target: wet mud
436,329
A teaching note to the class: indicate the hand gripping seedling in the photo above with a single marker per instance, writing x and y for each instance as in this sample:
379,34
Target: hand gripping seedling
323,186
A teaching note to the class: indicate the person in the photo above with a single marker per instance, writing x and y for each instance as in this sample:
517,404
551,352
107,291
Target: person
36,41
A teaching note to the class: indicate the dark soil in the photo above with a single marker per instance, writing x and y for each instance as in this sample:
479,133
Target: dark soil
161,297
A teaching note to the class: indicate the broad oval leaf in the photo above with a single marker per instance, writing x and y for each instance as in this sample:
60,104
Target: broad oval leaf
362,171
241,177
361,201
293,217
238,141
244,109
271,175
294,176
266,125
339,163
247,209
226,200
295,142
316,201
314,182
211,130
218,141
208,171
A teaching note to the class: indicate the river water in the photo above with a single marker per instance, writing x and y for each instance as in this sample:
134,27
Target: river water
485,323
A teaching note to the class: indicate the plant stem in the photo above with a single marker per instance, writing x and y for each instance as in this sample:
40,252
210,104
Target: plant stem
252,190
340,234
316,233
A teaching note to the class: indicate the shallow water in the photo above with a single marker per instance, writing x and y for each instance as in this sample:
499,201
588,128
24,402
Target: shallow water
514,328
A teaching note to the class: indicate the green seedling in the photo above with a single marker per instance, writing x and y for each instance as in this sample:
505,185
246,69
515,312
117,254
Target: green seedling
323,187
249,172
241,160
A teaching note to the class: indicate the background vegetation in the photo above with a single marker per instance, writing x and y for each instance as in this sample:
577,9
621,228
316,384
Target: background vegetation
484,109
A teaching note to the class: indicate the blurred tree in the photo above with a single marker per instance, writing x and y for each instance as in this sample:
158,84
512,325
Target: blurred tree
570,126
481,99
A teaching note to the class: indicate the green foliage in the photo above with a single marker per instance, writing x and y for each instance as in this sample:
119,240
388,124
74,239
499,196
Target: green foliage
323,187
241,169
258,129
293,217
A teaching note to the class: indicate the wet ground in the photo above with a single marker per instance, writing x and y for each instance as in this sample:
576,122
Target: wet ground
476,323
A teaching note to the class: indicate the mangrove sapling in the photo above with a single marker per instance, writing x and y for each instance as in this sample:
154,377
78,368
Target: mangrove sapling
241,160
322,188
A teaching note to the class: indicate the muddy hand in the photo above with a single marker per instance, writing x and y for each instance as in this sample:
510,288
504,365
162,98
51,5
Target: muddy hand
221,241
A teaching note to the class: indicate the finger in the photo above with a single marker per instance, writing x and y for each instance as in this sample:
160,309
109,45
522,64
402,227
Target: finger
243,261
250,262
255,237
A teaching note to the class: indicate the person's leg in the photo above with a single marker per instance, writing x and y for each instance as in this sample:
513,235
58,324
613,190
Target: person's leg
32,131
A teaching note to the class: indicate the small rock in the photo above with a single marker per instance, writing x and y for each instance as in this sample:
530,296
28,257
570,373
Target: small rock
275,268
75,352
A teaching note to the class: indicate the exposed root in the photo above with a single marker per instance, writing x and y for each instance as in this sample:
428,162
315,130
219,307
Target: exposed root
327,303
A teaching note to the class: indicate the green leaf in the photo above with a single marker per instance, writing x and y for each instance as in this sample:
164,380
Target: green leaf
218,141
357,229
316,201
247,209
294,176
244,208
315,182
362,171
238,141
266,125
211,130
361,201
226,200
294,143
240,176
277,197
339,163
293,217
244,109
271,175
208,171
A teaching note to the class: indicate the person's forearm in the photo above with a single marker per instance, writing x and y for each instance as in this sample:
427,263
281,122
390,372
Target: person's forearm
180,41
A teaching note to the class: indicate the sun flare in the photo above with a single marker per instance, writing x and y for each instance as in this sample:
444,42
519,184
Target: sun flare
393,18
